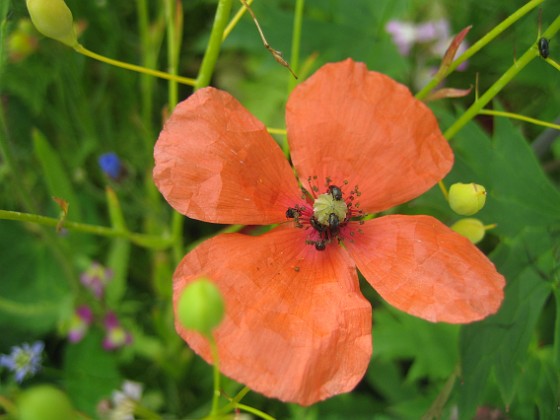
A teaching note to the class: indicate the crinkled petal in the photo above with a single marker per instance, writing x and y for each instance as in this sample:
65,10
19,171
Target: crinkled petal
216,162
297,327
422,267
350,124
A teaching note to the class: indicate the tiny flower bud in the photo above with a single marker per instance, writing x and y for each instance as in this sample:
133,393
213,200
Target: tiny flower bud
200,306
54,20
44,402
470,228
466,199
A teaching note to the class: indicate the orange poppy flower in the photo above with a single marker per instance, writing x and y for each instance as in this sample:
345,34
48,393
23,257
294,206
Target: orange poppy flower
297,327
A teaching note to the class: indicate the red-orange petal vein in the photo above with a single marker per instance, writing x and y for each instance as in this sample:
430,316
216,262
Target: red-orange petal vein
216,162
422,267
297,327
348,123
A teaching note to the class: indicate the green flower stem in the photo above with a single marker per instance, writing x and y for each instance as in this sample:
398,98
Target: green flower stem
477,46
254,411
145,81
277,131
235,400
203,79
174,32
185,80
553,63
436,410
214,44
481,102
296,42
235,20
146,241
216,372
519,117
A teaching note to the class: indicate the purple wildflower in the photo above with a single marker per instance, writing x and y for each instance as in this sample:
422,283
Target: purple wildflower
95,278
115,336
81,320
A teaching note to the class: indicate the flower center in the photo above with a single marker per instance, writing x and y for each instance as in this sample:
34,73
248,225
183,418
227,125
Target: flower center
326,209
327,218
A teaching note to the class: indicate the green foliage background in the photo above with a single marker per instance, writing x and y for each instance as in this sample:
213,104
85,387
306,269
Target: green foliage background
60,111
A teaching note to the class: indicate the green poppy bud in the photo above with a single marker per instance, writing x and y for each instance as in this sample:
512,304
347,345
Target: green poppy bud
470,228
53,19
201,306
466,199
44,402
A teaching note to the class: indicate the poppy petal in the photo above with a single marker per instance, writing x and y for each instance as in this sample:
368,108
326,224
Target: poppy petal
296,327
346,123
216,162
422,267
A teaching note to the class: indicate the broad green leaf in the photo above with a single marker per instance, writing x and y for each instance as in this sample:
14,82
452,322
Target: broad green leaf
91,373
34,290
539,386
500,342
432,347
387,377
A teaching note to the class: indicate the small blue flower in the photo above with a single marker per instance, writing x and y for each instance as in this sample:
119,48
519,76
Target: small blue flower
110,164
25,361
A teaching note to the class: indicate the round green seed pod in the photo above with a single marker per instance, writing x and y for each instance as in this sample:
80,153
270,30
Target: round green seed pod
44,402
53,19
470,228
200,306
466,199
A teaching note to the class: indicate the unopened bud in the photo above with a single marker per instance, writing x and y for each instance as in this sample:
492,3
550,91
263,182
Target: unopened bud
200,306
466,199
44,402
470,228
53,19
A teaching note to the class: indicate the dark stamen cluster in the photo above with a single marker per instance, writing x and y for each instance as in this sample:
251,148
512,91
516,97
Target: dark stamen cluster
327,232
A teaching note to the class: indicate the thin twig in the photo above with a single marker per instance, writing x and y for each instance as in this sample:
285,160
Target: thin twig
275,53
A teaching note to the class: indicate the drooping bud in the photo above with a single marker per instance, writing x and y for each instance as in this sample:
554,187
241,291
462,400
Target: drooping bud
44,402
201,306
466,199
54,20
470,228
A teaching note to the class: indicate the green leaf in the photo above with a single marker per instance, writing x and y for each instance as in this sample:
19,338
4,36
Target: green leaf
56,178
432,347
91,373
539,386
119,253
34,292
500,342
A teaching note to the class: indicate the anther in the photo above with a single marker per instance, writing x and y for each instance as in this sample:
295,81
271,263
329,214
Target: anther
335,192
